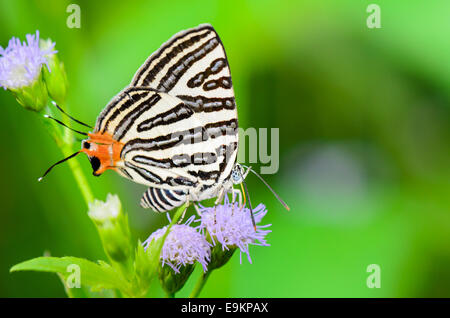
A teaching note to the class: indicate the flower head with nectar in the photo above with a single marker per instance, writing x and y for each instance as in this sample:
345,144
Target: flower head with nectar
184,245
21,71
21,63
230,226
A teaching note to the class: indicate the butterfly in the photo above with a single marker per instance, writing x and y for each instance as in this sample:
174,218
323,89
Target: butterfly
174,129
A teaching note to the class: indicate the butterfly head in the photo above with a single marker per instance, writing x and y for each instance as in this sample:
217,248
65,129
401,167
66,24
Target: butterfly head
103,152
238,174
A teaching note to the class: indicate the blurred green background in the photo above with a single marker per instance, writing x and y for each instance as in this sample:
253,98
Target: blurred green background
364,141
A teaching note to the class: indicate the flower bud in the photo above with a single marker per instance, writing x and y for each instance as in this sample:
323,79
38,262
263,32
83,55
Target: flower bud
172,281
113,228
220,255
54,75
32,97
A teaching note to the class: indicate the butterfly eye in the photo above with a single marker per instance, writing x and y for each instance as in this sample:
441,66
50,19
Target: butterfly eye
86,145
95,163
236,177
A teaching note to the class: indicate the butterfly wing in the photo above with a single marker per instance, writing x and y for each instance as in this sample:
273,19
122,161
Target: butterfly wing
177,119
193,67
152,128
162,200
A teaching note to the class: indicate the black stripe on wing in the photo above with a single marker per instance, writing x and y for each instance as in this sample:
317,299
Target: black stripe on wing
186,137
128,98
179,161
162,200
177,70
173,115
208,104
128,120
198,163
154,178
189,61
178,44
214,68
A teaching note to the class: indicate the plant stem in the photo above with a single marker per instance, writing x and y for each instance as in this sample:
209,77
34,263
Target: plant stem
65,144
199,286
175,218
79,176
170,295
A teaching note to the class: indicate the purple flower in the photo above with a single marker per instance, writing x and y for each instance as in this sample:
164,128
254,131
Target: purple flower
232,226
183,245
21,63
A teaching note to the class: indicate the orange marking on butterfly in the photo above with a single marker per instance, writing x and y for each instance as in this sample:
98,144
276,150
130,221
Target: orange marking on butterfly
105,148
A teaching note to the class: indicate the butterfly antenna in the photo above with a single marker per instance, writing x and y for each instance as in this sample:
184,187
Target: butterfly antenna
61,161
61,123
268,186
75,120
249,201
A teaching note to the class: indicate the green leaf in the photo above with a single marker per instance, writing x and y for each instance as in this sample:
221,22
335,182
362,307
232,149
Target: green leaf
97,276
86,292
144,271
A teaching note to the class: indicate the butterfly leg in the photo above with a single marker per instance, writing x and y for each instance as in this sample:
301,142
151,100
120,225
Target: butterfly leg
197,209
184,212
220,197
234,193
238,193
233,196
233,199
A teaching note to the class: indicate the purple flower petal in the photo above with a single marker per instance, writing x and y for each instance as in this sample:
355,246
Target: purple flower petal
21,63
232,226
184,245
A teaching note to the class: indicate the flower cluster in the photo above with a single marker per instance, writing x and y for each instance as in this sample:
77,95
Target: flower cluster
183,245
21,63
223,229
232,227
23,73
227,226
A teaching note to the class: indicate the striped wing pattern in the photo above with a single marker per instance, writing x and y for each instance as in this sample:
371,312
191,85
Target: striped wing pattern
162,200
177,121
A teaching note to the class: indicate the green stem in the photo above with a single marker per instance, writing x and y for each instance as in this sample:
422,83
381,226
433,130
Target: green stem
79,176
170,295
199,286
65,144
175,218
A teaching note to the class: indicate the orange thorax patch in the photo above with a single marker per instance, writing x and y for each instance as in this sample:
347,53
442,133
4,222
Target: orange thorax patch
105,148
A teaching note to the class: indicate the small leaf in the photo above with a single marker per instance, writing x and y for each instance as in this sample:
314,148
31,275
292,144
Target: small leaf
97,276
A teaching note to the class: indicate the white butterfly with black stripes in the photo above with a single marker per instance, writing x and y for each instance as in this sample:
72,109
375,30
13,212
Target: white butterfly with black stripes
174,128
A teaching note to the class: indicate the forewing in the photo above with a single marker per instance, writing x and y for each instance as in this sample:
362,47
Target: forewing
178,118
193,66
